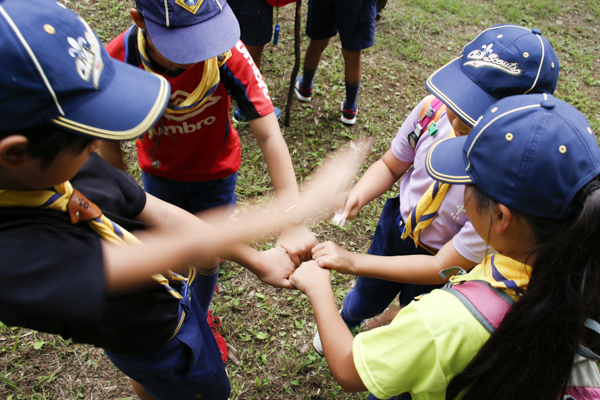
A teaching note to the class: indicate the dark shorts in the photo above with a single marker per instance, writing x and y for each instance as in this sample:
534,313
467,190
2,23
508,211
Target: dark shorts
256,20
370,296
193,196
387,242
403,396
188,367
353,19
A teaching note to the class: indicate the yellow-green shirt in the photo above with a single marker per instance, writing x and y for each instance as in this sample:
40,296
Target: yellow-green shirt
428,343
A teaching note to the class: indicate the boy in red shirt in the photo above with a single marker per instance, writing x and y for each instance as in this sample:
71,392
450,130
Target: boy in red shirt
190,158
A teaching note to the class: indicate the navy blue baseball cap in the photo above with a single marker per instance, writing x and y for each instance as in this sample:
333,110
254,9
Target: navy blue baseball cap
532,153
503,60
55,70
190,31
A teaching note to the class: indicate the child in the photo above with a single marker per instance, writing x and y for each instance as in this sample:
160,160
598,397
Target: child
355,21
191,157
66,267
502,60
531,164
256,25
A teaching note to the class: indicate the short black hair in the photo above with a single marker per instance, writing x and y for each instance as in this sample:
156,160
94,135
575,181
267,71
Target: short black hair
47,141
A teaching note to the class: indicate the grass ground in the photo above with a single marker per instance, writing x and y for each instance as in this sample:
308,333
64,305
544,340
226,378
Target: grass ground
271,328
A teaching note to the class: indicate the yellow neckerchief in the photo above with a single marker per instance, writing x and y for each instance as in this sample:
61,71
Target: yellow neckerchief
503,273
206,87
426,210
66,199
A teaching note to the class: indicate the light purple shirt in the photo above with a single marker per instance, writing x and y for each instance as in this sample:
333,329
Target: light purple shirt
451,223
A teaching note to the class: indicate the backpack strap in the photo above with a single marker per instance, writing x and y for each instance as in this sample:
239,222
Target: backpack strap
430,113
584,382
488,304
584,351
445,273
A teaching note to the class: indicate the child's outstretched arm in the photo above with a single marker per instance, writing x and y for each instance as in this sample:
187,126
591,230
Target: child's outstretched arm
336,338
416,269
297,240
376,180
176,238
273,266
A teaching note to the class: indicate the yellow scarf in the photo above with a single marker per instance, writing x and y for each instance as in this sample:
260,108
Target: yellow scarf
206,87
505,273
66,199
426,210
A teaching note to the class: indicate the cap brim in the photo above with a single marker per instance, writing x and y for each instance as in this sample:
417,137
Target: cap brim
459,92
446,161
122,110
196,43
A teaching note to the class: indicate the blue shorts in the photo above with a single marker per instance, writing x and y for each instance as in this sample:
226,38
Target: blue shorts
354,19
370,296
188,367
403,396
256,20
193,196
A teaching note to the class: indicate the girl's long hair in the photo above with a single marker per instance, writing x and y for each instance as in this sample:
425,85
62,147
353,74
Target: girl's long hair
531,353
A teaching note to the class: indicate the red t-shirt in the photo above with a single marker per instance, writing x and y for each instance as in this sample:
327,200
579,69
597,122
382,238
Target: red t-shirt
201,145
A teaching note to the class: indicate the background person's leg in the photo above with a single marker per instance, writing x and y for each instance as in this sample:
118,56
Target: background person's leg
353,74
312,59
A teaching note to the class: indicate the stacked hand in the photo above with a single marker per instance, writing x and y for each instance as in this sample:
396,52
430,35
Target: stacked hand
310,278
315,275
330,255
275,267
297,242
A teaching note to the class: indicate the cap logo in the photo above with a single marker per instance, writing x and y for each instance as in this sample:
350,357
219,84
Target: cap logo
190,5
487,58
88,55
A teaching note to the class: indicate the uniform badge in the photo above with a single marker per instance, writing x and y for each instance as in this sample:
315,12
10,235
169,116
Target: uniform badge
87,53
487,58
190,5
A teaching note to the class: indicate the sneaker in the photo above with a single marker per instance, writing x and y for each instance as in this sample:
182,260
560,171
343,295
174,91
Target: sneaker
301,94
317,340
241,119
317,344
348,116
214,323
